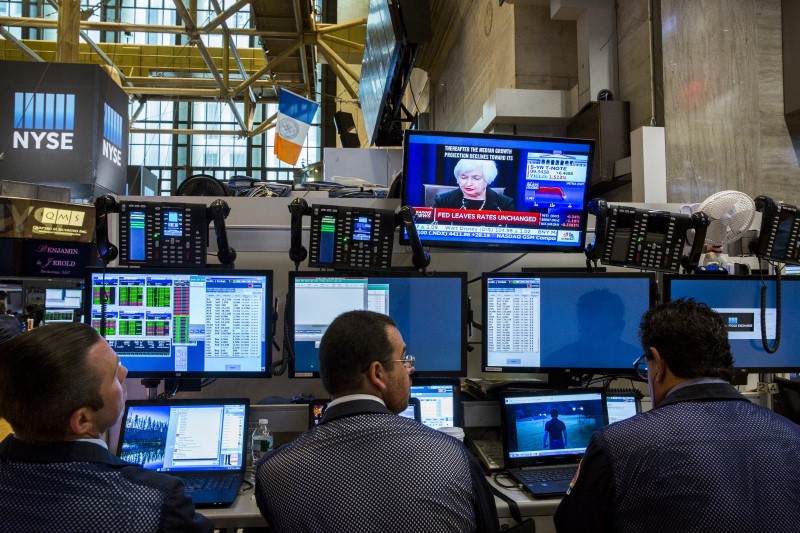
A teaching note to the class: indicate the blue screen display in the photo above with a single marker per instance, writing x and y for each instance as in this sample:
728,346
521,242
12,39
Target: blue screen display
738,299
430,313
556,322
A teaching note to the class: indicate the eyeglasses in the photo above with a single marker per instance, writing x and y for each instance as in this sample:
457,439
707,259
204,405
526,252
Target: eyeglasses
408,361
640,365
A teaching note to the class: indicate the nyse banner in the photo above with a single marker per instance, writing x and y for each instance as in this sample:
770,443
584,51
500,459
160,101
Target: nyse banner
63,124
25,218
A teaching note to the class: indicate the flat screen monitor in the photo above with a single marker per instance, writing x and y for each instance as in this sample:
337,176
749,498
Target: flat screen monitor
563,322
621,406
430,312
501,192
738,300
184,323
439,401
63,298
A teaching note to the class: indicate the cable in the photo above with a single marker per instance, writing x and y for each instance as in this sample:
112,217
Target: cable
764,341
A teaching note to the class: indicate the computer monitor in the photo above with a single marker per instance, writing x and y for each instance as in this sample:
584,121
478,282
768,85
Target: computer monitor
536,190
63,298
622,405
738,300
563,323
439,401
430,312
184,323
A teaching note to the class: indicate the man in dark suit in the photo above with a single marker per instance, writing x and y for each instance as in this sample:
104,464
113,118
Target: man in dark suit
61,388
703,459
363,468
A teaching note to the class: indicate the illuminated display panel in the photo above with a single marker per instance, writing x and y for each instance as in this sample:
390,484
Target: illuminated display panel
563,322
536,202
738,299
184,323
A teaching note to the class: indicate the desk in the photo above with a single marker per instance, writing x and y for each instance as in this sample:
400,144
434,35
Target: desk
244,511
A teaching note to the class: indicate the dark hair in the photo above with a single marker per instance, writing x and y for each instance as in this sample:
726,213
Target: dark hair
352,341
44,378
690,336
554,413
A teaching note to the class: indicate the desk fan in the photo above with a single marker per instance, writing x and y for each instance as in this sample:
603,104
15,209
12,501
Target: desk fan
730,214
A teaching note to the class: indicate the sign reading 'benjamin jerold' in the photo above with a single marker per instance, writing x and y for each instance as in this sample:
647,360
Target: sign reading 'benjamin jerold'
63,124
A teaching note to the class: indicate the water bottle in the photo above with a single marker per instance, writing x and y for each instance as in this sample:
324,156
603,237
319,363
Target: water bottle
260,444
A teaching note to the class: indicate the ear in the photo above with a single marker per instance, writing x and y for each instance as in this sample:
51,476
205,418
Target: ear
81,422
660,366
376,376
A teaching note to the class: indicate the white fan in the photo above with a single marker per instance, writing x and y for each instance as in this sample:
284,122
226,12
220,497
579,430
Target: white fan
730,214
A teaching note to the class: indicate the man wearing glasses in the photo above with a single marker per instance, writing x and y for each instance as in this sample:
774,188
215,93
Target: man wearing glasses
363,468
703,459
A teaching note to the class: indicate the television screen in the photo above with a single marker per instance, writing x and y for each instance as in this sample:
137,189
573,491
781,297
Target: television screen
738,299
562,322
498,191
430,312
184,322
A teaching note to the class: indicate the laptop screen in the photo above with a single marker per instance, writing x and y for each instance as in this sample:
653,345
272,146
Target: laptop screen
621,407
185,435
437,402
550,424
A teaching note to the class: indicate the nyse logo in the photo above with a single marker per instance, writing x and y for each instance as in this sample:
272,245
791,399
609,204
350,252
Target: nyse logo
43,121
112,135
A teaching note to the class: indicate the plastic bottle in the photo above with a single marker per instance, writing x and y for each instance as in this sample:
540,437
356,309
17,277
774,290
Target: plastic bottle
260,444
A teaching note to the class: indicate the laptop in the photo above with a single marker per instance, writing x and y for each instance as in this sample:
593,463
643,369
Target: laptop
317,408
545,434
622,405
440,401
201,441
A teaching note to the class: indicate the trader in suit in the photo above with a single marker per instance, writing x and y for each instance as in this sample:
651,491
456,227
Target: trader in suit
61,388
703,459
363,468
474,178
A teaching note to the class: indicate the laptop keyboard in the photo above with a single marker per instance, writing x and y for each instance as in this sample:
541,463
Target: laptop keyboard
203,484
547,474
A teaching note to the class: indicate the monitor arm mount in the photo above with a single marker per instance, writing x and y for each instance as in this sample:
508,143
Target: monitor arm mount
217,213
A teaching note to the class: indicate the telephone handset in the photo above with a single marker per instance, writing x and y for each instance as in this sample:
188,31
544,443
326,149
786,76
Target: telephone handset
779,238
217,213
642,238
297,252
420,258
103,206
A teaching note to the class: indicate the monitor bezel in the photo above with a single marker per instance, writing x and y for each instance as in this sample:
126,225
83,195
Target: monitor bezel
289,316
740,371
484,246
268,317
556,372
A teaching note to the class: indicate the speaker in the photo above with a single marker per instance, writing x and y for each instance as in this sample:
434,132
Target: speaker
344,122
350,140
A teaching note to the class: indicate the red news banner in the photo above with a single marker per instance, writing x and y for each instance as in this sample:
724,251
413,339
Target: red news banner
427,215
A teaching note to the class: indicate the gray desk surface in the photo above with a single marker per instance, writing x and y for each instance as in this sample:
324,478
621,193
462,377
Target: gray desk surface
244,511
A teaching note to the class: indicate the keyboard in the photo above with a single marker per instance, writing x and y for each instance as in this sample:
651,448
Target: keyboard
490,453
548,474
202,483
